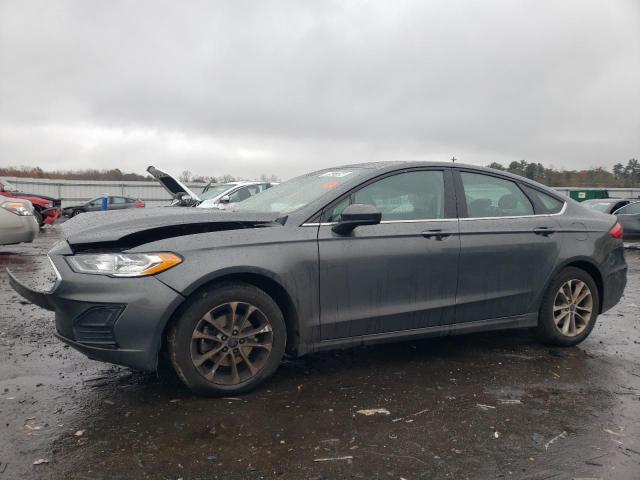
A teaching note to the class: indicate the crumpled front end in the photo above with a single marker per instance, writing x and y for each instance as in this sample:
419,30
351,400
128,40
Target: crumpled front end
115,320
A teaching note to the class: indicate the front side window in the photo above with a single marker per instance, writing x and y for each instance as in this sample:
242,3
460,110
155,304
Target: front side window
631,209
241,194
406,196
488,196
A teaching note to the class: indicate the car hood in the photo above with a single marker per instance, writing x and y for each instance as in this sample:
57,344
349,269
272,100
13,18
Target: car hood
172,185
133,227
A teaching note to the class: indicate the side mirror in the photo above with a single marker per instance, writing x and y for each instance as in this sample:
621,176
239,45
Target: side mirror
225,199
355,215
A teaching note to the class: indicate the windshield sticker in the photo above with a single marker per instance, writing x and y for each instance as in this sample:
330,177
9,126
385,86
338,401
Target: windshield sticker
330,185
337,174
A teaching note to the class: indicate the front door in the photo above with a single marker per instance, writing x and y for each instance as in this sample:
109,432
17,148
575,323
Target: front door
400,274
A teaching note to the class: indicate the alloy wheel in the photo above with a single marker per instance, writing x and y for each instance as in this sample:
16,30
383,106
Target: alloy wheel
573,307
231,343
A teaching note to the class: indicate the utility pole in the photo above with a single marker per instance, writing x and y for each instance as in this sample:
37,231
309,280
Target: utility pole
453,159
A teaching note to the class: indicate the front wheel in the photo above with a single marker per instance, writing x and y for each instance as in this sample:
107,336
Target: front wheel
227,340
38,216
569,309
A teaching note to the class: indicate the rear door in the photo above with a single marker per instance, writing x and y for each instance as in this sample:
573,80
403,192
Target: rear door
508,247
396,276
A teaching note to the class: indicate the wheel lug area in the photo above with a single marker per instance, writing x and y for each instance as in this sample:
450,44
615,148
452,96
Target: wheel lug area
225,349
234,333
224,338
242,340
236,351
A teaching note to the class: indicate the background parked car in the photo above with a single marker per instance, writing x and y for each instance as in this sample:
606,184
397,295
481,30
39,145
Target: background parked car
95,204
45,209
217,195
626,209
214,195
17,222
608,205
629,218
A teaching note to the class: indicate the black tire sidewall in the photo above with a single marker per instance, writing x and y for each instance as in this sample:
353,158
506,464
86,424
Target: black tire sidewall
547,330
39,217
179,336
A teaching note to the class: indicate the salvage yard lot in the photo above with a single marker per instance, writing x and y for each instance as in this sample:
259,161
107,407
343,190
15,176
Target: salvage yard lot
478,406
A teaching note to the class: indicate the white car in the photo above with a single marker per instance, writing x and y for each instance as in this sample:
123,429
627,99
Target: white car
217,195
17,222
214,195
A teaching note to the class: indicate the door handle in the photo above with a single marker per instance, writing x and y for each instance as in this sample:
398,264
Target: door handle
436,233
544,231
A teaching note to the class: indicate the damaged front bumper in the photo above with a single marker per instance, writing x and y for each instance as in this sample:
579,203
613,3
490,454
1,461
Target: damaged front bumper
115,320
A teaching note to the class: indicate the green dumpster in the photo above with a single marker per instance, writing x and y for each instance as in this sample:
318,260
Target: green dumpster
590,194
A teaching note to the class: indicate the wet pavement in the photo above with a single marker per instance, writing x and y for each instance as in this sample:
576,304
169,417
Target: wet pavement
480,406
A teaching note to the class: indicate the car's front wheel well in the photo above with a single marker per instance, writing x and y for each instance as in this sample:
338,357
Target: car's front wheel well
593,271
266,284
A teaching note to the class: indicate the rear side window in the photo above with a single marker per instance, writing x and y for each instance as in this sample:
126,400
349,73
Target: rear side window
488,196
550,204
118,200
631,209
415,195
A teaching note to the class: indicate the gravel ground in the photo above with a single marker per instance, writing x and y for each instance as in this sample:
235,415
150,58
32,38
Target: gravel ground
479,406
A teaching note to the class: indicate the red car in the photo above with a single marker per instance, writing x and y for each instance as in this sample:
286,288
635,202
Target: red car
45,209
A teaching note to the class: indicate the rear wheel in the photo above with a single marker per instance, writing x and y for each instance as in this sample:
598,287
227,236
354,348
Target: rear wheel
76,212
569,309
228,340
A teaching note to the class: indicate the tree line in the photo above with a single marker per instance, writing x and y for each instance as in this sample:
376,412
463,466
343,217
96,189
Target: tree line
619,176
114,174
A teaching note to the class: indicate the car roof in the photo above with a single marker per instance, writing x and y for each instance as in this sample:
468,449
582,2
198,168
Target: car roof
398,165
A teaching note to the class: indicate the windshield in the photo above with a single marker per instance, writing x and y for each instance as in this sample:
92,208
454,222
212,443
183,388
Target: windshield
596,205
9,187
298,192
214,191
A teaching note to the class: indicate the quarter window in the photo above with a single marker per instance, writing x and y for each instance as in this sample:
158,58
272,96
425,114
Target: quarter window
488,196
631,209
406,196
550,204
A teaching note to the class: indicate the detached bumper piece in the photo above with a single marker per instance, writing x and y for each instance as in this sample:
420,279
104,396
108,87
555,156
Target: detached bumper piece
36,297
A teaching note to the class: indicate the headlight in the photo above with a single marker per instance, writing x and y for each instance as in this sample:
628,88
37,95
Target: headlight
17,208
124,264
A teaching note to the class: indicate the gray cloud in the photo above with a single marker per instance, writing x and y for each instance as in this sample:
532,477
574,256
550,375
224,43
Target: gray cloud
284,87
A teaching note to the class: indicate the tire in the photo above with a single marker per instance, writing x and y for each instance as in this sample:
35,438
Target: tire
38,216
555,324
76,212
213,359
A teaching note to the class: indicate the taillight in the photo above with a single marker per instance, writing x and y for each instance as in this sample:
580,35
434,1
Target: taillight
139,204
616,231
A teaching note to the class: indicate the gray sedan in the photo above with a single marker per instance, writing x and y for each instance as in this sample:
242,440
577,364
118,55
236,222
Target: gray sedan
17,222
340,257
626,209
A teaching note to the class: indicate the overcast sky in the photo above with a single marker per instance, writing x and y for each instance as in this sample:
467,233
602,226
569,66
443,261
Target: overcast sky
288,86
